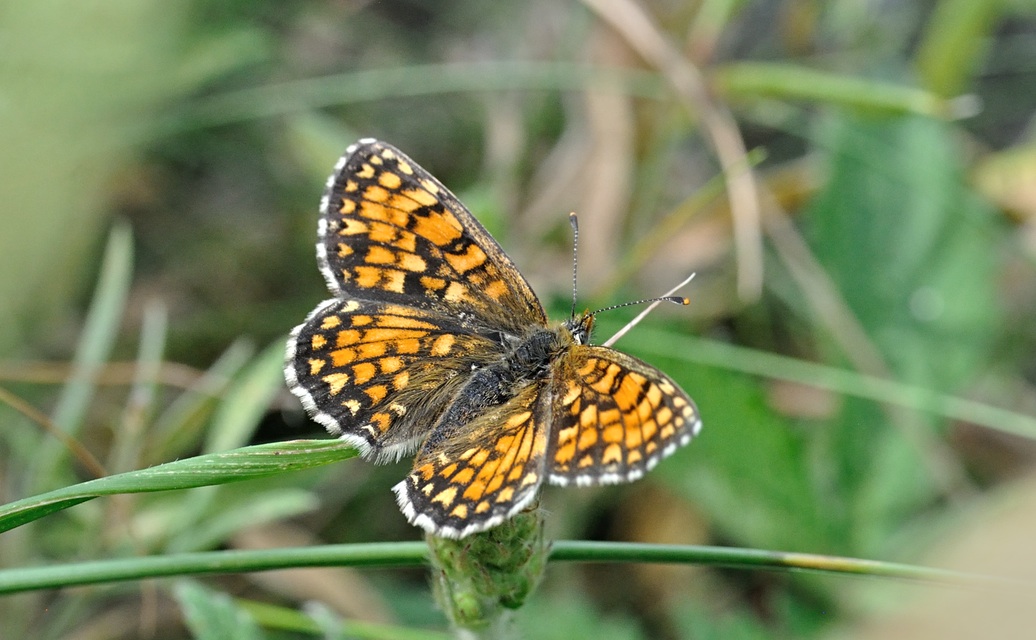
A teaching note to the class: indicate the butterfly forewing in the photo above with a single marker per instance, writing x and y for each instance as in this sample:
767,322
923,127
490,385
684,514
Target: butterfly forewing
390,231
379,374
615,417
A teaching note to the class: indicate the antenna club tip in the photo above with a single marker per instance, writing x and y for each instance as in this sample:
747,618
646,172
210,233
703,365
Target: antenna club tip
685,301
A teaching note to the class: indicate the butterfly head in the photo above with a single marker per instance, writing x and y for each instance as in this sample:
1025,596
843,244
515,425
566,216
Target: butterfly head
581,327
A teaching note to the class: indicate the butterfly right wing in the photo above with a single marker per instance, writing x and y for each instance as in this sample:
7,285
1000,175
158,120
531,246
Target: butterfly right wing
377,374
615,417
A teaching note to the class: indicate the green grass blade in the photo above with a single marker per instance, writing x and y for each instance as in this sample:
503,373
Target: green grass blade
794,82
410,554
218,468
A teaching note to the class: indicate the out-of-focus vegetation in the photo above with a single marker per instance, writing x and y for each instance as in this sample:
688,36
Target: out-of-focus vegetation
160,166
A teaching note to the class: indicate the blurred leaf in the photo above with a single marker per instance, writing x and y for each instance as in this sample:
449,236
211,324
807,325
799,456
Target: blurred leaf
215,468
247,399
213,615
793,82
954,42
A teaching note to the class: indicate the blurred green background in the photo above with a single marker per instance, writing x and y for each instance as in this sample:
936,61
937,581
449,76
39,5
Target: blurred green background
171,155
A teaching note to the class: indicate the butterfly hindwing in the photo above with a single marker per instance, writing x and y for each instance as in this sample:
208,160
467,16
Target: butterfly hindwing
390,231
482,473
615,417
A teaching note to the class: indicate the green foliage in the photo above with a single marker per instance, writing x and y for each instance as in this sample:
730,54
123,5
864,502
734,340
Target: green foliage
846,411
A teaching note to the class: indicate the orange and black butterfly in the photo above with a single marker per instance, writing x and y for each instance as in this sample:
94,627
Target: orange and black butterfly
435,343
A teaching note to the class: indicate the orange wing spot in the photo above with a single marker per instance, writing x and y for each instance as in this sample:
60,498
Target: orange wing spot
348,206
330,322
368,277
588,418
396,281
506,494
397,320
664,415
381,232
446,496
519,419
482,507
504,444
315,365
438,228
585,461
407,346
496,289
666,431
375,160
401,380
352,405
351,226
413,262
460,511
476,489
342,357
650,447
633,438
456,292
389,180
448,471
649,429
382,421
318,342
426,471
441,346
574,391
495,484
463,476
365,172
654,395
422,197
479,457
344,250
377,254
645,410
403,202
634,456
565,453
432,284
530,478
606,381
370,350
428,488
351,186
588,368
612,453
405,167
336,382
613,433
587,439
627,394
347,337
363,372
390,365
472,258
376,393
610,416
568,434
360,320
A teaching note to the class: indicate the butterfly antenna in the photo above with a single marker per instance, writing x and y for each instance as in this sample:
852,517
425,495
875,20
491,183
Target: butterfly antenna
575,254
668,297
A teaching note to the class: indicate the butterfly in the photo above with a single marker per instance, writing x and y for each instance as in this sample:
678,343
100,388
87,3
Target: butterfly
434,343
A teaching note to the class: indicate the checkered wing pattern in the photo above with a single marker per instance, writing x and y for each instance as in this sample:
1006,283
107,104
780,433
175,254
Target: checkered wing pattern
390,231
378,374
483,473
615,417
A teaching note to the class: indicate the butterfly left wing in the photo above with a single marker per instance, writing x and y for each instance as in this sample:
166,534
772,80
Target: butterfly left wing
390,231
615,417
484,472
